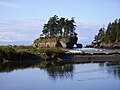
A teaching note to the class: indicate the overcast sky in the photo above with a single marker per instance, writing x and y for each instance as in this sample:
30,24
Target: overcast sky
21,21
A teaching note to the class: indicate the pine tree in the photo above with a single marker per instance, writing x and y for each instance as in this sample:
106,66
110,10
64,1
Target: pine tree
111,34
59,27
101,36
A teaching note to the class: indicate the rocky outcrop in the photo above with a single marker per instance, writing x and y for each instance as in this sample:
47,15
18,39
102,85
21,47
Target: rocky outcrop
58,44
105,45
64,41
72,41
79,45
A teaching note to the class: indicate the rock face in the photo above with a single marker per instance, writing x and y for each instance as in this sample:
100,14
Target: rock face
71,42
58,44
79,45
64,42
105,45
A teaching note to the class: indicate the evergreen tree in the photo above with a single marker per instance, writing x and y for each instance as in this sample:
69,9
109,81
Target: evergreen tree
59,27
108,33
101,35
118,32
111,34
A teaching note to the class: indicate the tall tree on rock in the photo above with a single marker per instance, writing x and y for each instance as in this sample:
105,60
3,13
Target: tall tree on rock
69,28
59,27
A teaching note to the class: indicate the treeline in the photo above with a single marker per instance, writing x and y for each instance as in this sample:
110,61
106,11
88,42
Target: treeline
59,27
109,35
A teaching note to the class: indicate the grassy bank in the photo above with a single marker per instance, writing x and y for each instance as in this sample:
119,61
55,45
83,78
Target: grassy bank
13,53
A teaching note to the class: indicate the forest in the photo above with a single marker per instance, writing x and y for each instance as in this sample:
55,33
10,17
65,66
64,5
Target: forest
109,36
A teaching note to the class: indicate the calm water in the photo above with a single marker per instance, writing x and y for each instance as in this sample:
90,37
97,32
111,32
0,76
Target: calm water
88,76
88,49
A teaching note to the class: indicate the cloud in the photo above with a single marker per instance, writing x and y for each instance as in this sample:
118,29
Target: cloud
26,25
86,32
27,30
10,36
9,4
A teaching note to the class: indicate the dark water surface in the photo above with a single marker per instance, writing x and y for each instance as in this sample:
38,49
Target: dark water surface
35,76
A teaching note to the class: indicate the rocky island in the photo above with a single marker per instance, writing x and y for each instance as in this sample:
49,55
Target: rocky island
58,33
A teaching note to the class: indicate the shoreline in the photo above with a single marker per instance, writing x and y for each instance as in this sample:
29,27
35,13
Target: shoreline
61,55
77,56
90,58
94,52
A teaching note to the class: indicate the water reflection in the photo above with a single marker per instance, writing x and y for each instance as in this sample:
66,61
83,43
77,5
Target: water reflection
114,69
60,72
64,71
54,71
